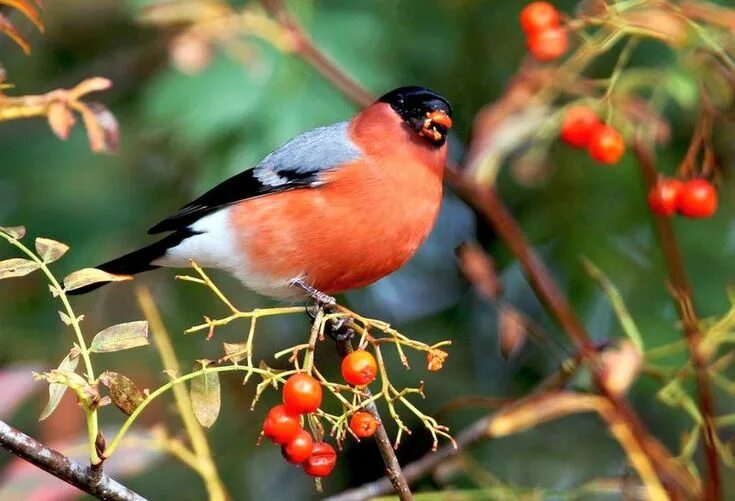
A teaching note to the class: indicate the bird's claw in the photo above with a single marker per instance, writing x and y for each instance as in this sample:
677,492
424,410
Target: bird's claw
321,298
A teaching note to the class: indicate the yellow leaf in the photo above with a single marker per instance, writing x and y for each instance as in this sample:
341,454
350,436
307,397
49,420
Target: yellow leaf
56,390
16,232
89,276
17,267
121,337
50,250
205,398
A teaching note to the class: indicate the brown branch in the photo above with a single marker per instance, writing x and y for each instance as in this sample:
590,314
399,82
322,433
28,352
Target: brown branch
306,49
689,319
96,483
395,478
486,201
416,470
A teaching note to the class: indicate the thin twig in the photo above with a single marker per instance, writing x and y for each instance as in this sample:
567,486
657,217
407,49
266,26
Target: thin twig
97,484
206,466
395,475
690,323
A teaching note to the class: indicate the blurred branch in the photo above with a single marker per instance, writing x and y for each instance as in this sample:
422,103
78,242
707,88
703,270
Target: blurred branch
488,204
58,107
306,49
690,322
91,481
396,480
204,463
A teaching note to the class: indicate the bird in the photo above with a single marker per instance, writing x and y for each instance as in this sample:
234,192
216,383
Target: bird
335,208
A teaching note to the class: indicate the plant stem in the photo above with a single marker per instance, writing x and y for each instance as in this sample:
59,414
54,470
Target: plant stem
690,323
92,423
96,483
205,462
109,451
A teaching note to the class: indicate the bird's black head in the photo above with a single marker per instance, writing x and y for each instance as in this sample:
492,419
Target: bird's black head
425,111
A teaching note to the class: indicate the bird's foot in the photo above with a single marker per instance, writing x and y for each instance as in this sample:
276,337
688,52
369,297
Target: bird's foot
320,297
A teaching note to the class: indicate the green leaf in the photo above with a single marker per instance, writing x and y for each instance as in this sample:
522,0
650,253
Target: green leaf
89,276
50,250
121,337
123,391
17,267
16,232
205,398
56,390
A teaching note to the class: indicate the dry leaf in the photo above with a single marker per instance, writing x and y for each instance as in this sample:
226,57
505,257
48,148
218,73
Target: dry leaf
50,250
94,84
16,232
10,30
102,127
123,391
121,337
234,352
511,332
56,390
620,366
205,398
60,119
17,267
89,276
27,9
479,269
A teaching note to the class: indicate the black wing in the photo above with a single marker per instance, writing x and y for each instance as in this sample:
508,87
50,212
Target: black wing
296,164
239,187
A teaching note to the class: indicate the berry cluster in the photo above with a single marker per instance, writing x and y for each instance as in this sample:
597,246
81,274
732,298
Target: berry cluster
547,39
696,198
582,128
302,395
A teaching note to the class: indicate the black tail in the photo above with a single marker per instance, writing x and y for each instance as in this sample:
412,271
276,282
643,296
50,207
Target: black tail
137,261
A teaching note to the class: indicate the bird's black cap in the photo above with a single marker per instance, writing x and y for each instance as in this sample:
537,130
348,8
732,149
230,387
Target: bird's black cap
414,103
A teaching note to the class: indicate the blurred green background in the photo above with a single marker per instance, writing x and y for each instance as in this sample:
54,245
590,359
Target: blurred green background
181,134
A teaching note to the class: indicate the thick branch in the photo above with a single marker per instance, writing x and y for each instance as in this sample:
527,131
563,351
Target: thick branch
96,483
690,323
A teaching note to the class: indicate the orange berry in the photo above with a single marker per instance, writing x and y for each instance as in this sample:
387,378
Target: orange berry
606,145
359,368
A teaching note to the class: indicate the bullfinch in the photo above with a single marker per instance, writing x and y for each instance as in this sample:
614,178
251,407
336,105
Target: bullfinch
335,208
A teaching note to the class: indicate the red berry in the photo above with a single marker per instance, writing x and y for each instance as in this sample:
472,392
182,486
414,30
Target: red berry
302,394
359,368
539,16
299,448
606,145
363,424
697,198
664,195
578,124
280,426
322,460
548,44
